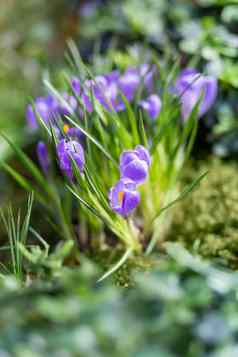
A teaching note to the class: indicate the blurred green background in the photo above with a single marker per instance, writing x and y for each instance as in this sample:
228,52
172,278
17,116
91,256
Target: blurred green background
33,36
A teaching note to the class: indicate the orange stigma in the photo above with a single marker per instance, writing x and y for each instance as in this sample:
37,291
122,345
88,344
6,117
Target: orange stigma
66,128
121,195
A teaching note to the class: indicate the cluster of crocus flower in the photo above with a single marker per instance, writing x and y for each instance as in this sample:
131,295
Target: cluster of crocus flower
134,167
111,91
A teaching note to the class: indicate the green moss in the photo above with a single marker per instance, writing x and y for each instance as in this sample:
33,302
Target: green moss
207,221
124,276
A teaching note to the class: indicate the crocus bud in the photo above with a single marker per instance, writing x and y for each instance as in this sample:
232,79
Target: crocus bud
68,151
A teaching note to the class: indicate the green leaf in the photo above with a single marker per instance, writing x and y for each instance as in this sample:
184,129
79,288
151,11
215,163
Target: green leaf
29,165
141,130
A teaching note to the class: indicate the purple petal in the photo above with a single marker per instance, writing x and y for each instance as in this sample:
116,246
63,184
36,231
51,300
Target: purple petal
43,156
190,85
143,154
147,72
136,170
112,77
189,100
129,82
31,118
152,105
130,202
210,88
123,197
71,107
74,133
87,102
127,156
75,84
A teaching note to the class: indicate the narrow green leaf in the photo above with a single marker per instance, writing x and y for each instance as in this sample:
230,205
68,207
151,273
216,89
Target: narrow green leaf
90,137
29,165
24,183
141,130
182,196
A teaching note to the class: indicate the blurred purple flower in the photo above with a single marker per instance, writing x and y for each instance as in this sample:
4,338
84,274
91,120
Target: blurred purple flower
43,156
31,118
152,105
107,89
134,164
70,107
76,87
123,197
103,89
68,151
147,73
129,82
75,133
45,107
112,76
86,100
190,85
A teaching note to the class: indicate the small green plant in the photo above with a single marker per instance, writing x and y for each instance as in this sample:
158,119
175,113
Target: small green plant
17,230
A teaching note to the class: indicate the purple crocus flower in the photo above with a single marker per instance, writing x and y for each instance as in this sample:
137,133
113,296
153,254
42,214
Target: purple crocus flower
43,156
152,105
134,164
123,197
68,150
190,85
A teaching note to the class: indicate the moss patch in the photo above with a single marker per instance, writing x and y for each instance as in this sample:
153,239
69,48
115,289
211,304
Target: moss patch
207,221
